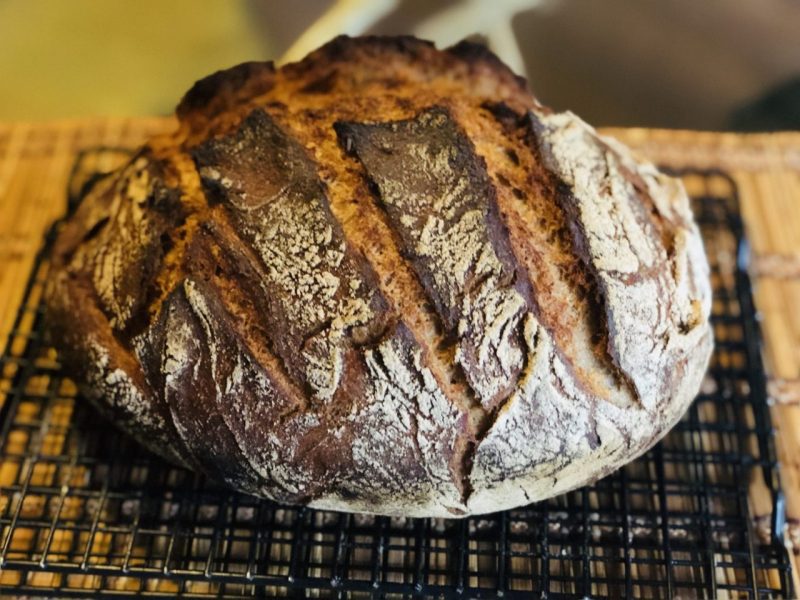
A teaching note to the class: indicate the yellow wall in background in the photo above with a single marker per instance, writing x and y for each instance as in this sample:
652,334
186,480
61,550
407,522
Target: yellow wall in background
67,58
664,63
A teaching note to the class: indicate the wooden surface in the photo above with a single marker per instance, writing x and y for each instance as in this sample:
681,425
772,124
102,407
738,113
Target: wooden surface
35,162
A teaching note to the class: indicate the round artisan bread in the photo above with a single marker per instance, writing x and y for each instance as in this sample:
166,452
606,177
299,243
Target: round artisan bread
385,279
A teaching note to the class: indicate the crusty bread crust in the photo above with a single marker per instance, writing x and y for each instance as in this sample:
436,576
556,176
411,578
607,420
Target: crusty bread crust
385,279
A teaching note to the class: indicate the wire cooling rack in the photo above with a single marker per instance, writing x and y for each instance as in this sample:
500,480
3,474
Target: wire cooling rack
84,511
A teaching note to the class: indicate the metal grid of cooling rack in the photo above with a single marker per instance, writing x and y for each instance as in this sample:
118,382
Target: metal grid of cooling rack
85,511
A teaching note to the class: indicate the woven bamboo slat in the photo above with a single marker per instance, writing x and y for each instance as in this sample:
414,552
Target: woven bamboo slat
36,159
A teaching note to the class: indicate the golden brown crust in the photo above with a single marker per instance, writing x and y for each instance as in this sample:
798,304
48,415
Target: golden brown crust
385,279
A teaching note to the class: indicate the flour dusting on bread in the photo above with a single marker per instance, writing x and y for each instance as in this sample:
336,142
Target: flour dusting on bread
385,279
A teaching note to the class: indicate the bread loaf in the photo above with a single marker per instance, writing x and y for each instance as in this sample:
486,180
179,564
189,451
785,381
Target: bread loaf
385,279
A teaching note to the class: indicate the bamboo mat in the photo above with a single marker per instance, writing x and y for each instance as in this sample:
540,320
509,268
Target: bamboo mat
36,160
766,168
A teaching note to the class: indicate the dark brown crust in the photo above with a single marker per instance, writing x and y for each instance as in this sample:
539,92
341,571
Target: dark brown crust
224,90
100,231
258,300
411,186
479,55
78,327
263,177
190,393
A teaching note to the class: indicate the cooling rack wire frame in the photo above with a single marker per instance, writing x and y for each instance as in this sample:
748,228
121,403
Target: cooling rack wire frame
84,511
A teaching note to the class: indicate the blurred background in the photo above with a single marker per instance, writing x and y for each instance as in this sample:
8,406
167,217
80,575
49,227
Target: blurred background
700,64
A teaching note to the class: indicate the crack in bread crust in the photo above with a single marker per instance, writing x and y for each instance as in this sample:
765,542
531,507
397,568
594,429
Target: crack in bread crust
441,203
543,241
393,314
272,194
623,246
